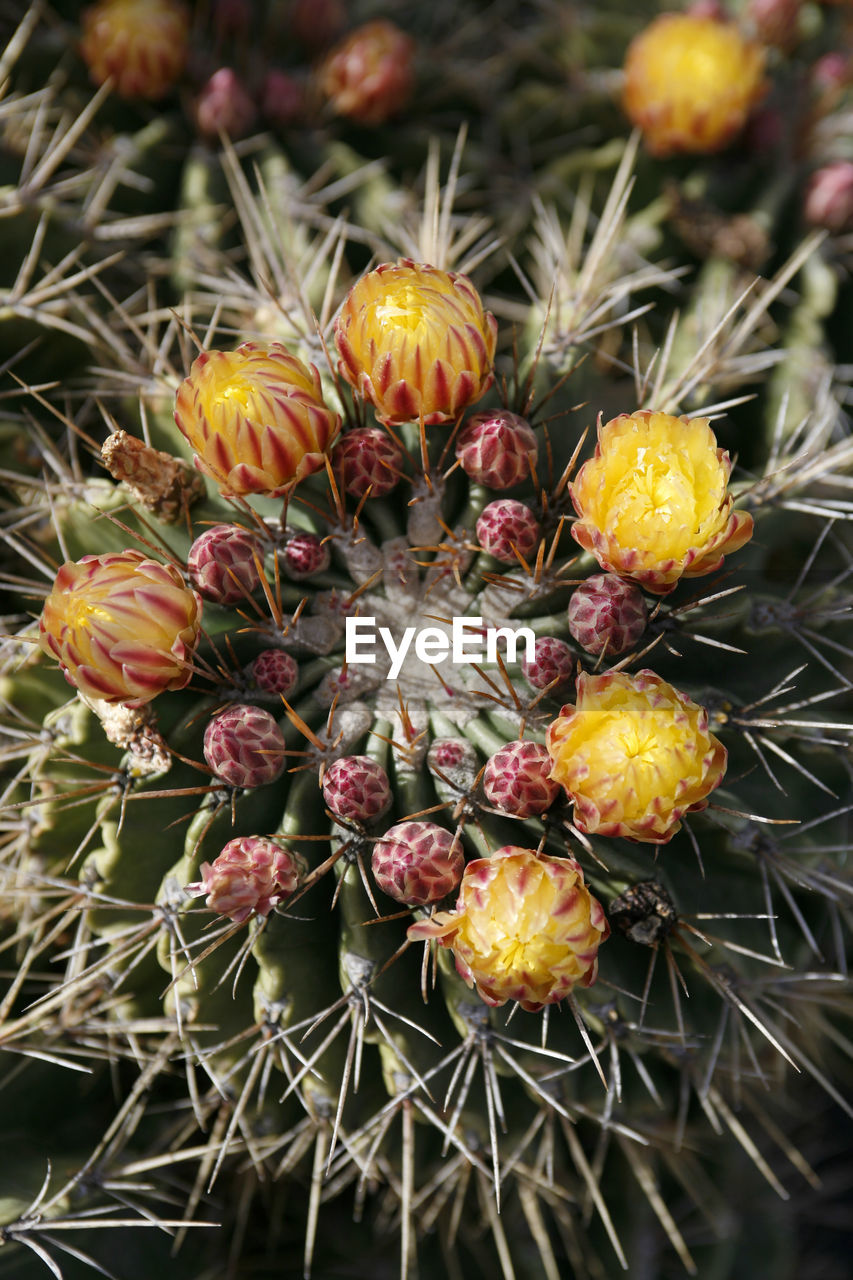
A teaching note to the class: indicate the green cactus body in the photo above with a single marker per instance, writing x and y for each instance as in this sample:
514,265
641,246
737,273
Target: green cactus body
593,1046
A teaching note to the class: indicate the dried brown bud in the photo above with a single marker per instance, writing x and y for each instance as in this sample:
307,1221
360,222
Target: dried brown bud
165,485
134,729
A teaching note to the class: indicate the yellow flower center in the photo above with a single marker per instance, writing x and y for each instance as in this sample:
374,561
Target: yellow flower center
619,745
639,747
517,954
81,612
703,66
237,391
405,307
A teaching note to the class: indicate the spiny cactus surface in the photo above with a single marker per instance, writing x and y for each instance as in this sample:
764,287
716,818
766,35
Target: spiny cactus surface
425,701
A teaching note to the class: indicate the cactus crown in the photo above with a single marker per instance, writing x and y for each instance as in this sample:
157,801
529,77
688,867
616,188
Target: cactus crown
387,751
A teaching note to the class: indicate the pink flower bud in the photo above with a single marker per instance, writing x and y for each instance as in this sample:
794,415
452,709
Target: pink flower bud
516,779
830,76
552,660
244,746
506,527
221,564
275,672
249,877
829,197
607,614
417,862
356,789
455,759
224,106
367,460
497,449
304,555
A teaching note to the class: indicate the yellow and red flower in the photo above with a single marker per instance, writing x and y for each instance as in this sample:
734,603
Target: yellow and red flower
525,927
122,627
634,755
416,342
256,418
142,44
691,82
369,76
653,503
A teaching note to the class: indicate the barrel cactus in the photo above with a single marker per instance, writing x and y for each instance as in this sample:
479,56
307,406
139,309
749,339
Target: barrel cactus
425,713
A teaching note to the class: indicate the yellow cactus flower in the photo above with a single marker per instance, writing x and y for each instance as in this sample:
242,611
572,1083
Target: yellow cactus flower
653,503
634,755
256,418
690,83
416,342
122,627
525,927
142,44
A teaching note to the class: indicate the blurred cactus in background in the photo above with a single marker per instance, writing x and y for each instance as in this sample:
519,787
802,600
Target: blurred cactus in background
425,690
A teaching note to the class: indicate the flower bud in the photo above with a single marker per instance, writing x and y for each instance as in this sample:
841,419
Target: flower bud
508,529
367,460
524,928
634,755
142,44
607,615
829,197
417,863
415,342
224,106
122,627
552,660
356,789
369,76
454,759
304,555
221,564
829,77
497,449
256,418
517,779
244,746
249,877
275,672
